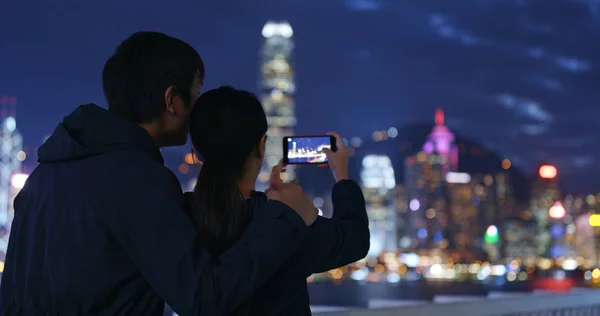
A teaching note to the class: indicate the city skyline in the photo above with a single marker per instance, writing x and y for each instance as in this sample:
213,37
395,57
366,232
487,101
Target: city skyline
530,100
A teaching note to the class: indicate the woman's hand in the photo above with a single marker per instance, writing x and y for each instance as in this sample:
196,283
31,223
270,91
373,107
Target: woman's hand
291,194
275,182
338,160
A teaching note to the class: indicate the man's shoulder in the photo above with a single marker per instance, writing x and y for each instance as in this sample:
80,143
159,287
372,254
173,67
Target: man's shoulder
117,171
134,166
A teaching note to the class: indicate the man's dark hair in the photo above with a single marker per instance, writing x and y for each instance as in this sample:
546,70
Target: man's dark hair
137,75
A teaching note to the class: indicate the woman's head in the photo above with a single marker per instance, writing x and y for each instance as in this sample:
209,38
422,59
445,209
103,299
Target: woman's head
227,127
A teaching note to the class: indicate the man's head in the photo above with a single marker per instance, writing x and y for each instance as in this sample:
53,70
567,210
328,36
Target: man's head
154,80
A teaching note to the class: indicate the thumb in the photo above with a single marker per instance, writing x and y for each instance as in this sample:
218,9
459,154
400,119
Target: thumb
328,153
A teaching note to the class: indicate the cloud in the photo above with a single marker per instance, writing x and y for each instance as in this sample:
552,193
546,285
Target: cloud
572,64
443,28
362,5
582,161
533,130
524,107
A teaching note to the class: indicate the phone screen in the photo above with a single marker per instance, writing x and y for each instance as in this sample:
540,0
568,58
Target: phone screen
307,149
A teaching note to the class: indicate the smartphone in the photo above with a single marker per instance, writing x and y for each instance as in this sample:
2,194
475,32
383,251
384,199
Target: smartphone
307,149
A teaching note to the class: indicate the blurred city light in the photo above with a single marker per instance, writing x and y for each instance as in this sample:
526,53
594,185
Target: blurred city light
557,211
548,172
458,177
595,220
491,235
392,132
18,180
190,159
282,29
21,156
11,124
414,205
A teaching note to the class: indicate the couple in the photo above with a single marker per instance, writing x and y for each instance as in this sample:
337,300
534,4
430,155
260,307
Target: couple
102,228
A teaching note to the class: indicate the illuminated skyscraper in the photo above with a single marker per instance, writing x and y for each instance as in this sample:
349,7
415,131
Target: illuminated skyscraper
478,204
464,203
277,88
427,197
544,195
426,189
441,142
378,184
585,242
520,240
11,145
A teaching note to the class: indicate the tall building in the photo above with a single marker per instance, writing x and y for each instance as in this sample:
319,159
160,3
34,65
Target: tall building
441,142
427,197
277,88
378,183
10,165
403,229
520,240
544,195
426,189
464,203
585,242
478,206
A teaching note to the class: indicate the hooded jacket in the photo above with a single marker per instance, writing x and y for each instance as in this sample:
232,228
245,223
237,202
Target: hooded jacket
99,230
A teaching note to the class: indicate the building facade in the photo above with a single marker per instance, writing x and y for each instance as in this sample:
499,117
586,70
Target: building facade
277,88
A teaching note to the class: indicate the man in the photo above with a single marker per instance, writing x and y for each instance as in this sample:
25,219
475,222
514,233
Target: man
98,228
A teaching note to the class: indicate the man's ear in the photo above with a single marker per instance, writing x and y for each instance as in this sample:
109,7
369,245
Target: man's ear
261,147
170,94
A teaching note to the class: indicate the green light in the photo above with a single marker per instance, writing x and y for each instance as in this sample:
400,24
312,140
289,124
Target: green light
491,235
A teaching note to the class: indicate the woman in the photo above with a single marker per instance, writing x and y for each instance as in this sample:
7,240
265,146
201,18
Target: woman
228,130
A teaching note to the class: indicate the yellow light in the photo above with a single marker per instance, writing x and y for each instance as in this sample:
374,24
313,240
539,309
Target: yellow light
190,159
1,266
595,220
545,264
596,274
402,269
506,164
590,199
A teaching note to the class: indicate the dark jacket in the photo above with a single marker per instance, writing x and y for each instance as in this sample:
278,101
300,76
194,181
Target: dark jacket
331,243
99,230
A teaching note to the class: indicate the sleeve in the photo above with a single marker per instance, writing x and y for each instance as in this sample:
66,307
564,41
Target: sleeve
341,240
162,242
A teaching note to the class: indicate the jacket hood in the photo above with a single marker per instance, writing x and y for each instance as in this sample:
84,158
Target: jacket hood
91,130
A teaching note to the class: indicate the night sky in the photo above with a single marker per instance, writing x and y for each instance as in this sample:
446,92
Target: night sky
521,77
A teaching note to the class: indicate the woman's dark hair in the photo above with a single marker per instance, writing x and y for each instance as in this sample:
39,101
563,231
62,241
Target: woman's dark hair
226,127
